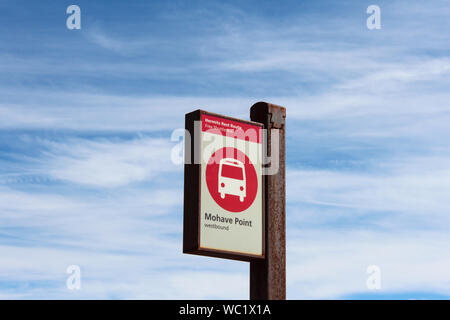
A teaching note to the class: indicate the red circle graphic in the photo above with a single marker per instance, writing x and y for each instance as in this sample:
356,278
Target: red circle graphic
231,179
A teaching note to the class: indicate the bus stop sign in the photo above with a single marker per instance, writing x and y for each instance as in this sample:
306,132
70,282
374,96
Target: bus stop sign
223,187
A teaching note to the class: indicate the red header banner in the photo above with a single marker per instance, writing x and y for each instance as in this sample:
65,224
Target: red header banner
231,128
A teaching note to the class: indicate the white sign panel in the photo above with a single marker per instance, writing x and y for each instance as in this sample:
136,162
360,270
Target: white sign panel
231,186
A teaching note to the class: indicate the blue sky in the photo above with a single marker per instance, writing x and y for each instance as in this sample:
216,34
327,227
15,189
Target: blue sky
86,118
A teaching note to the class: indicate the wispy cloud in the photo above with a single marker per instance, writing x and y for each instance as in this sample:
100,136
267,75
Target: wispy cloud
414,189
109,164
127,46
85,171
326,263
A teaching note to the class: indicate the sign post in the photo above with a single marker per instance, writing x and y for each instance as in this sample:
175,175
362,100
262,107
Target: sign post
268,276
234,193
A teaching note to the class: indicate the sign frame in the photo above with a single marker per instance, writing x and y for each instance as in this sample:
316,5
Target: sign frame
192,192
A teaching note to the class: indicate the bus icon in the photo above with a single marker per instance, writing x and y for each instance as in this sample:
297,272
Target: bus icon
232,178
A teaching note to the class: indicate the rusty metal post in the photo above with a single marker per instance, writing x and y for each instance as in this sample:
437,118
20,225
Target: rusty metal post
268,277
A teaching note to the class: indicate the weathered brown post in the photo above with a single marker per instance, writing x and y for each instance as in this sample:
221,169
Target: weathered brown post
268,276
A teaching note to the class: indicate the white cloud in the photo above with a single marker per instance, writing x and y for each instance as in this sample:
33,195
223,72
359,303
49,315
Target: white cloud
394,215
105,112
109,163
165,275
408,187
119,218
326,264
127,46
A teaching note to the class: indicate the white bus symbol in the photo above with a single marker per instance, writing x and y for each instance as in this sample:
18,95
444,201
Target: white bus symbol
232,178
